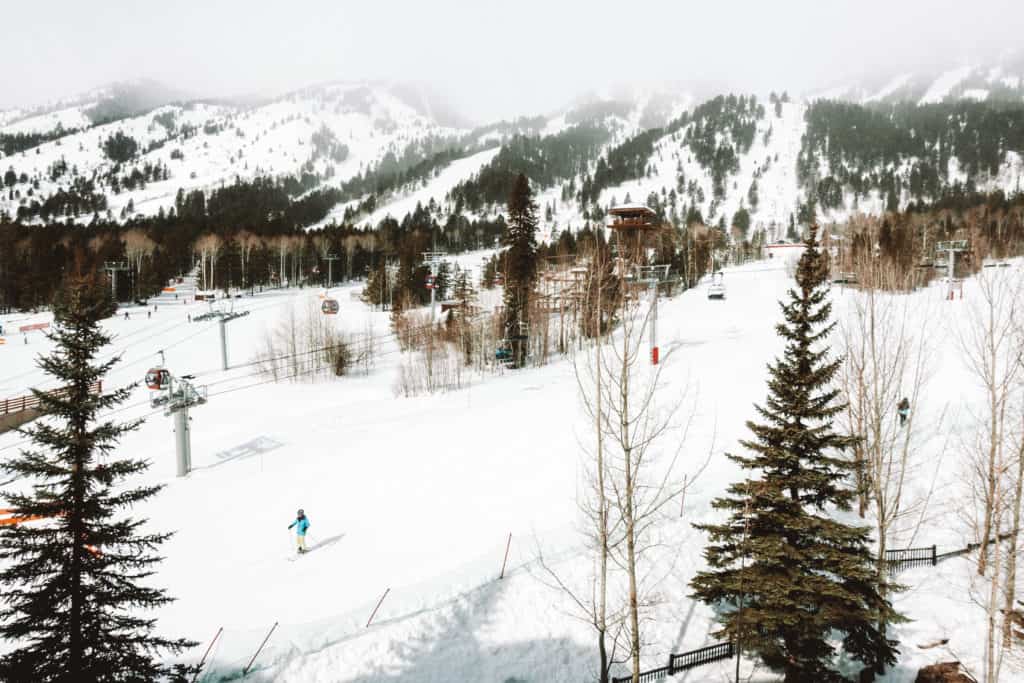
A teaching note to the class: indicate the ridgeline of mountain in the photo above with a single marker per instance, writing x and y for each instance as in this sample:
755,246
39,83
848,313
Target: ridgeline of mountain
364,151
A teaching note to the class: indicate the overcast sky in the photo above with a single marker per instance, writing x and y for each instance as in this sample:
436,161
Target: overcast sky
493,59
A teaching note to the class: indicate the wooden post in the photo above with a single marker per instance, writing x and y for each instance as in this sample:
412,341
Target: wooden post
245,671
368,621
203,660
935,559
505,561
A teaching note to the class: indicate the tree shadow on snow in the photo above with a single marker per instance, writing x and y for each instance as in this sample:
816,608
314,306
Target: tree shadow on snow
453,645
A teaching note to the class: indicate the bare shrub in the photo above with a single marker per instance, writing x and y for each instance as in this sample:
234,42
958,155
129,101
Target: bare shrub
308,345
438,366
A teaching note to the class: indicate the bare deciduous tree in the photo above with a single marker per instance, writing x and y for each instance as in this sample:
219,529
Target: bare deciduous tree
247,242
637,434
886,350
137,247
987,347
992,355
209,248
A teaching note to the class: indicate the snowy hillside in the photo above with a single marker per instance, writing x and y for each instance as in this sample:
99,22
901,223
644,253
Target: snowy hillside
417,496
999,78
356,140
202,146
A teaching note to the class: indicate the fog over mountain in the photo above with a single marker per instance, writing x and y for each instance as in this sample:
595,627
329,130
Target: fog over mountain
490,60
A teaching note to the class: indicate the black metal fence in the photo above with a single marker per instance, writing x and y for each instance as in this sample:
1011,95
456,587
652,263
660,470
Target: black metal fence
683,661
903,558
705,655
906,558
910,557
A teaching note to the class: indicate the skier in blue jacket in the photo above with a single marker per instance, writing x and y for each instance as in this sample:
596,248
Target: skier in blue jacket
301,524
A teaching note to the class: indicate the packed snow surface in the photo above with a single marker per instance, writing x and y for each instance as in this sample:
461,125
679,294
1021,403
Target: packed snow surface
418,496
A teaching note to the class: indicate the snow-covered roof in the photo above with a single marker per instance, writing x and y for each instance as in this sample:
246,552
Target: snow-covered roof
630,208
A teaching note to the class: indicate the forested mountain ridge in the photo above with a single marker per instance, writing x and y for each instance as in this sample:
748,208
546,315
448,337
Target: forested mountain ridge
359,152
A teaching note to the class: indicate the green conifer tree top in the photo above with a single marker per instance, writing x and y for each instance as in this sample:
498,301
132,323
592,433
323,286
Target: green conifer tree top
76,590
799,572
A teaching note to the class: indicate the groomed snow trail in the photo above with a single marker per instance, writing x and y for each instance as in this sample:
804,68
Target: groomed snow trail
419,495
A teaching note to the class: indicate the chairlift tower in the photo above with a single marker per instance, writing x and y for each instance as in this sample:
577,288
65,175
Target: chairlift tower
177,396
223,324
330,258
952,248
651,276
112,268
433,260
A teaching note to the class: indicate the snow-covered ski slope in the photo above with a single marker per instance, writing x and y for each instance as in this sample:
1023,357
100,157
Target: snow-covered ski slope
207,145
418,496
406,200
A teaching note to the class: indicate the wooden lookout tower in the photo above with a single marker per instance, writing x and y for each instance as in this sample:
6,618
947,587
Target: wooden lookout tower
636,229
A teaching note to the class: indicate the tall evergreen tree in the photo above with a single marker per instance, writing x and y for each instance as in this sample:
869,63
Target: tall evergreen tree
520,240
77,581
790,574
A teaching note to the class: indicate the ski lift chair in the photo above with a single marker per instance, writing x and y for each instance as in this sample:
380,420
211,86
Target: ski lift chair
158,379
716,290
503,354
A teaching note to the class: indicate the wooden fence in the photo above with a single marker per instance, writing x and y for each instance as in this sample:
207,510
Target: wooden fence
684,661
31,402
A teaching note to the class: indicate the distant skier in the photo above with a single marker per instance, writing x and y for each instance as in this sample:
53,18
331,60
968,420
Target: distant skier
126,315
903,410
301,524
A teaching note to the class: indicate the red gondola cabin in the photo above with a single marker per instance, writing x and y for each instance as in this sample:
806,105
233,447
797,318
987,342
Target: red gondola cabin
158,379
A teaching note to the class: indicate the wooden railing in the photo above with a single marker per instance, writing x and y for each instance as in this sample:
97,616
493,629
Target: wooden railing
31,401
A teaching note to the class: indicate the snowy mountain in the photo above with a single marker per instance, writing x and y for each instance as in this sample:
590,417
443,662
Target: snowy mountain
329,132
382,149
997,80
